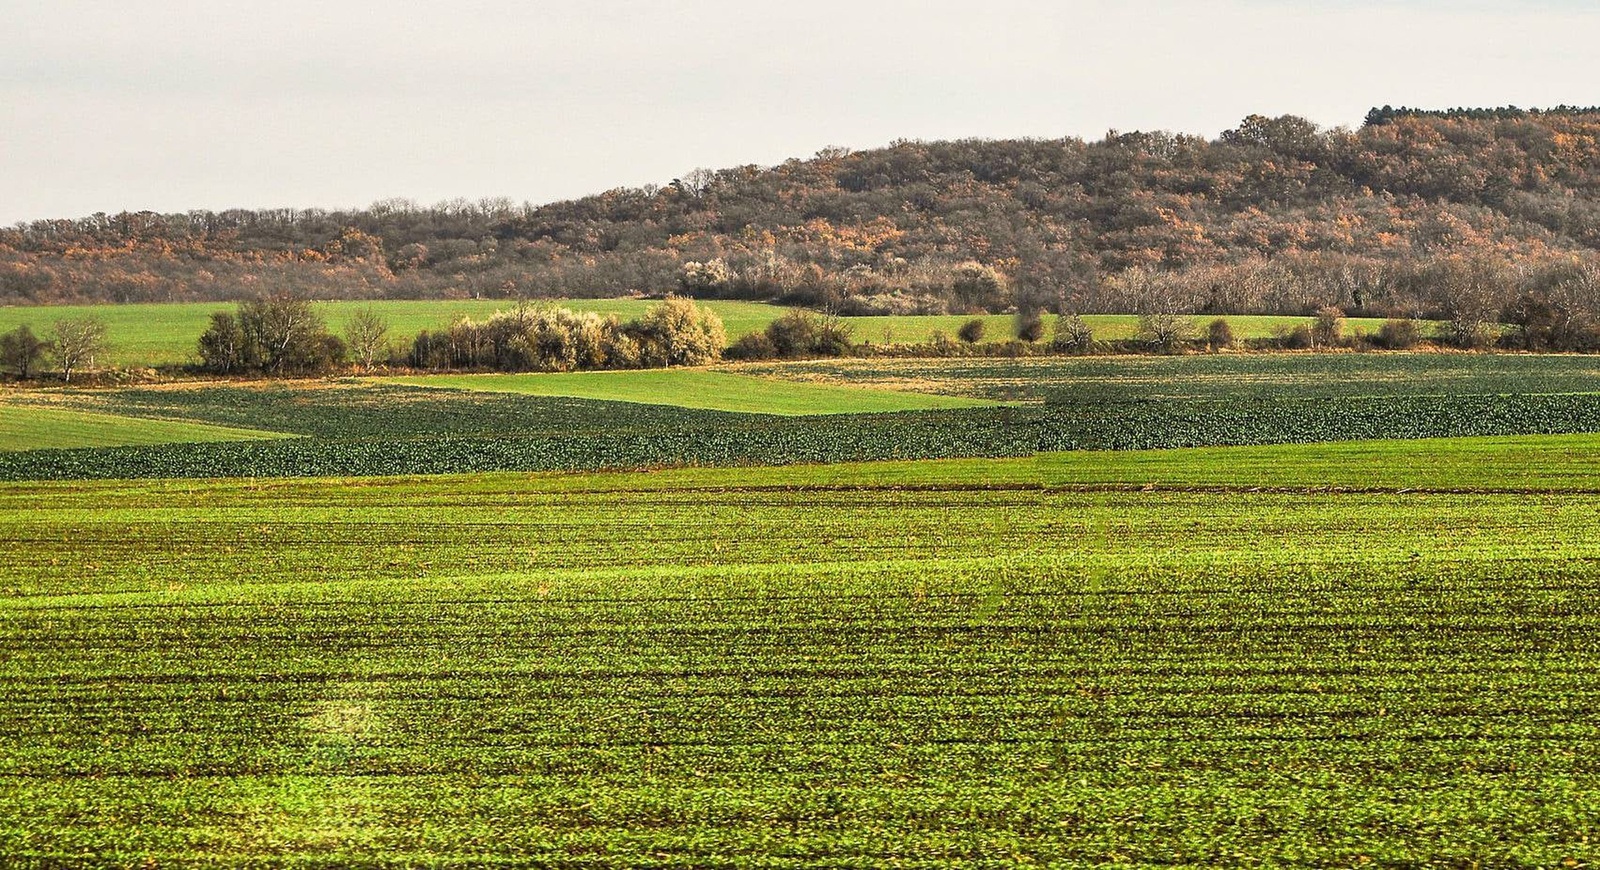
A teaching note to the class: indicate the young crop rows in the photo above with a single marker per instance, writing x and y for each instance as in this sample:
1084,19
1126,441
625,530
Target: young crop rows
580,671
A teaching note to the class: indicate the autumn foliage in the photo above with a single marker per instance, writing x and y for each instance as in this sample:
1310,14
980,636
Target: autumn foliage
1462,215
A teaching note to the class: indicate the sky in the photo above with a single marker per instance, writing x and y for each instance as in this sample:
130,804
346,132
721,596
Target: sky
173,106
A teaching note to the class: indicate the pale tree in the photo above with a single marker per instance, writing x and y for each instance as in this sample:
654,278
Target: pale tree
1163,322
696,182
367,335
77,342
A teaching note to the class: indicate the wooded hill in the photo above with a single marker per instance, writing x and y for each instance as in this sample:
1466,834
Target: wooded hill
1411,214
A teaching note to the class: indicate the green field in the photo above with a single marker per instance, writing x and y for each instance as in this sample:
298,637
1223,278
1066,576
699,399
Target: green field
918,664
698,388
165,333
34,428
915,329
828,412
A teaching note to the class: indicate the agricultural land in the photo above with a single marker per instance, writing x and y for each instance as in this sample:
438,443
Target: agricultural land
1219,610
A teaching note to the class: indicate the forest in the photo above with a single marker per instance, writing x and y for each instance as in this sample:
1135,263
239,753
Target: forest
1467,214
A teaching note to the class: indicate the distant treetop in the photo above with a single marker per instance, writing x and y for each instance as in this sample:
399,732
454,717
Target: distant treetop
1389,113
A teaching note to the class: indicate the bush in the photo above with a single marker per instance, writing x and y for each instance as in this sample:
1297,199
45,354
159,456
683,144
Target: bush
976,287
677,332
560,340
755,345
1298,338
801,333
1072,335
1398,333
971,332
1219,334
1029,326
1328,329
222,344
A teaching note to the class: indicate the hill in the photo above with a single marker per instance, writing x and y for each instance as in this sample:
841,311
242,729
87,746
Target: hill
1416,213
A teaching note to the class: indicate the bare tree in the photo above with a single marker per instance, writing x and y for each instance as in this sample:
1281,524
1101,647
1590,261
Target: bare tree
1466,290
696,182
78,341
1162,323
366,333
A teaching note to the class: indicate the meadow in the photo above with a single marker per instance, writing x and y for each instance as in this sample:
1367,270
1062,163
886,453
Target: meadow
164,334
900,665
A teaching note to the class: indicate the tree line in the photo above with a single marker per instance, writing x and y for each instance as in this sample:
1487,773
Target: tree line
1290,216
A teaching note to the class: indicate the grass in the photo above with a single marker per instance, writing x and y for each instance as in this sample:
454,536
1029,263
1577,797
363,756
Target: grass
699,388
914,329
165,333
156,334
34,428
865,666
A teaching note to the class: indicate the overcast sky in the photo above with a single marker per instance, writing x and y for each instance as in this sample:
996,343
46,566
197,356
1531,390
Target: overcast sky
153,104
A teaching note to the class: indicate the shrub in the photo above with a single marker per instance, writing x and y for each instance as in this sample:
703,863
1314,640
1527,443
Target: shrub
1398,333
800,333
1029,326
1165,331
1298,338
1328,329
755,345
677,332
222,344
1219,334
976,287
941,344
1072,335
971,332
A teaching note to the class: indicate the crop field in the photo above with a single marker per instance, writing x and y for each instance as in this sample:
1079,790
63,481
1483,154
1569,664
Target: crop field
161,334
895,665
33,428
841,411
699,388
